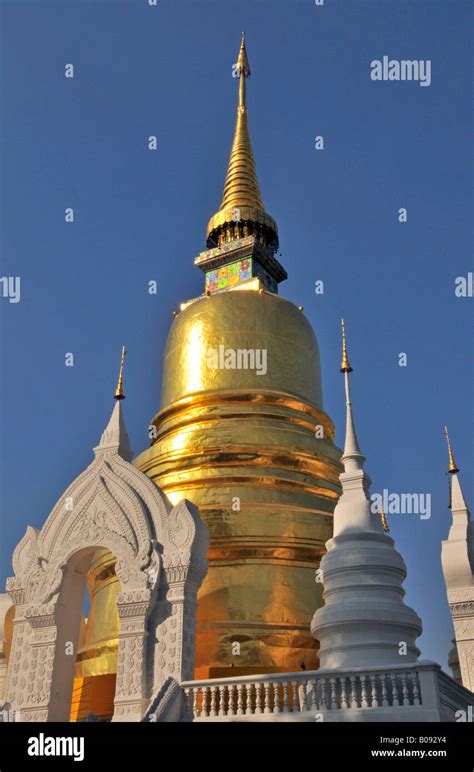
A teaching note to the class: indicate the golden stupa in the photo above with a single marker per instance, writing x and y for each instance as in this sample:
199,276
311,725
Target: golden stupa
240,432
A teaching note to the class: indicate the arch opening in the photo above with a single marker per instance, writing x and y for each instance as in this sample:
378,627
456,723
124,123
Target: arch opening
95,651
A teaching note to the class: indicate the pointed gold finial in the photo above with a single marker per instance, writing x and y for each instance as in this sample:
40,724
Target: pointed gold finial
119,392
453,469
241,186
243,70
383,518
242,212
345,364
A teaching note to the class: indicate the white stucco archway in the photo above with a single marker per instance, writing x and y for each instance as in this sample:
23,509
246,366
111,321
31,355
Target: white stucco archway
161,563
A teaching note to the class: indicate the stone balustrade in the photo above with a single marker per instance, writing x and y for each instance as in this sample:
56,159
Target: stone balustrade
418,692
454,697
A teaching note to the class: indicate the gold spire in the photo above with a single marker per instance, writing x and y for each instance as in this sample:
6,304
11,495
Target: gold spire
453,469
119,392
241,185
243,70
242,211
383,518
345,365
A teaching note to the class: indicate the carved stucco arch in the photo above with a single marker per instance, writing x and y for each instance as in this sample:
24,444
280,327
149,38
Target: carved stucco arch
160,552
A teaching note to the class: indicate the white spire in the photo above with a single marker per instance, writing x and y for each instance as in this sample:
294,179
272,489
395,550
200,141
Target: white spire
458,503
353,509
115,435
352,458
351,446
457,560
457,553
460,531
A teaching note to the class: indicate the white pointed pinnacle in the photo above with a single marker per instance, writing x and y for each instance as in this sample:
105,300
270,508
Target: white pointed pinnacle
457,560
353,510
115,435
458,502
352,458
461,530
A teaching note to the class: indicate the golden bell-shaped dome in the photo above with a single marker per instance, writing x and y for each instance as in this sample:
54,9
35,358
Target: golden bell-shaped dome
241,320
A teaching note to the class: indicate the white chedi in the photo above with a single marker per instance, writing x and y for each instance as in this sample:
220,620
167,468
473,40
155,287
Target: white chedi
364,622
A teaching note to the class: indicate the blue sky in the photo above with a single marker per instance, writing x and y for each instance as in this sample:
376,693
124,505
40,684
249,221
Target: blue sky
141,215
